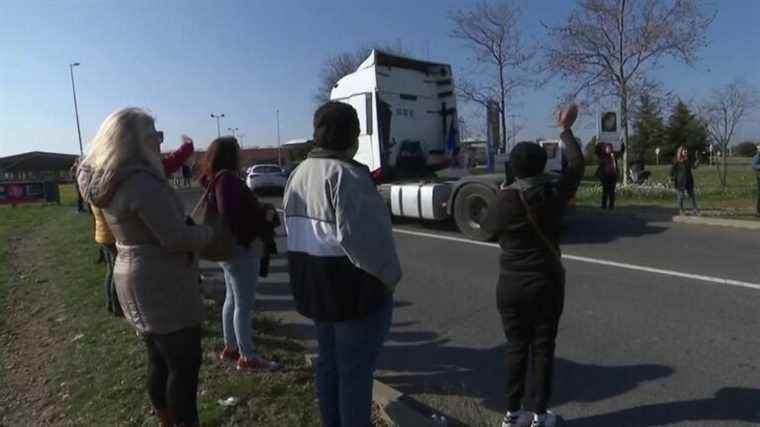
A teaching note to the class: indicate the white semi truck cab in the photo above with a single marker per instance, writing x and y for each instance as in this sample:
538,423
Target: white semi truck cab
408,118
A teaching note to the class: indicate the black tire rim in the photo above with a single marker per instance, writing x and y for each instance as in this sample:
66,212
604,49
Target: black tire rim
476,210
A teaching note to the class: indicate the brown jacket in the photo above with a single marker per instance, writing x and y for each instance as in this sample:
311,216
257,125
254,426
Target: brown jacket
155,274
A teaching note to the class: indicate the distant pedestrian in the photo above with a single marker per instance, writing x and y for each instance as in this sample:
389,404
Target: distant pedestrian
80,200
155,273
187,176
343,264
245,218
683,179
531,289
756,168
607,173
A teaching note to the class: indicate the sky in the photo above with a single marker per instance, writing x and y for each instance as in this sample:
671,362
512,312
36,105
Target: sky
183,60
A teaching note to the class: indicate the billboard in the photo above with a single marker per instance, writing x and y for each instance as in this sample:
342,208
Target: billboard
16,192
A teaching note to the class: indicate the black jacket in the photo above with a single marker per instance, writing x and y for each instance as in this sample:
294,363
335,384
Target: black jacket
522,248
682,176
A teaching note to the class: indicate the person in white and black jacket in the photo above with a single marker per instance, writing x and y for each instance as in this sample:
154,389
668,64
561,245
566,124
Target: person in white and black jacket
343,264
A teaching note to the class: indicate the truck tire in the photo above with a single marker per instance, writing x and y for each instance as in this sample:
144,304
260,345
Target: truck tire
470,206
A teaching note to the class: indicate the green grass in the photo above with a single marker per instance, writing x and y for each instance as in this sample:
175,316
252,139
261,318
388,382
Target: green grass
104,370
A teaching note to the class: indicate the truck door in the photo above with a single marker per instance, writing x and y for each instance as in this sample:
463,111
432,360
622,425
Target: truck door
368,152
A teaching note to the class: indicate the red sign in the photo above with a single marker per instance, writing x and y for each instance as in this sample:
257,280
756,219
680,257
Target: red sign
12,193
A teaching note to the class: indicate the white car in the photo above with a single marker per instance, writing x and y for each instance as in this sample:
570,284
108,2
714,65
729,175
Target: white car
266,177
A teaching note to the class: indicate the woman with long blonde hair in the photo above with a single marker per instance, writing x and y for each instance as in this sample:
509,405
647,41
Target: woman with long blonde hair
155,273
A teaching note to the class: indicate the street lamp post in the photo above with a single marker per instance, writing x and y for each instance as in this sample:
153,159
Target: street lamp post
218,118
76,108
279,157
234,131
240,137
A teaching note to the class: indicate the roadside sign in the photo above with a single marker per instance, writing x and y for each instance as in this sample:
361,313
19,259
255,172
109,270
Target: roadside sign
16,192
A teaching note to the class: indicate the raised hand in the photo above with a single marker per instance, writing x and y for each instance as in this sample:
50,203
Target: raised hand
567,115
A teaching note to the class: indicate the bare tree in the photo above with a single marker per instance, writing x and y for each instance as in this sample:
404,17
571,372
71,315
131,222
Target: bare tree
723,111
490,30
608,47
337,66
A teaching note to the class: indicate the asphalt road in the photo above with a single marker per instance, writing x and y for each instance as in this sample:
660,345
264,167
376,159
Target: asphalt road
635,348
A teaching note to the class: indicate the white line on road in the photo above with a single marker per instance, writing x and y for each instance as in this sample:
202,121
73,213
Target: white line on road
711,279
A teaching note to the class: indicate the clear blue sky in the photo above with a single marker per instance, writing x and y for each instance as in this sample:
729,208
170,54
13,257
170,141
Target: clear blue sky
183,60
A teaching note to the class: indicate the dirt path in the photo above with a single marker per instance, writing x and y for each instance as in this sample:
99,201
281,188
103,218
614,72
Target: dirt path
30,340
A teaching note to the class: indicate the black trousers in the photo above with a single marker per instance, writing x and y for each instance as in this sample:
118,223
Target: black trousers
757,208
174,361
530,304
112,300
608,191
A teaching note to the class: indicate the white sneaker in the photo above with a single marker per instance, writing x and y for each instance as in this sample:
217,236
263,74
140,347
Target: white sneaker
546,420
516,419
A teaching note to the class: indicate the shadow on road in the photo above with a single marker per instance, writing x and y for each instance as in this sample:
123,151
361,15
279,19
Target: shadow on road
729,404
436,368
594,226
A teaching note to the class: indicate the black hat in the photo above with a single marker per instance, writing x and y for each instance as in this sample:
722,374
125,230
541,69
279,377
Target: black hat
336,126
527,159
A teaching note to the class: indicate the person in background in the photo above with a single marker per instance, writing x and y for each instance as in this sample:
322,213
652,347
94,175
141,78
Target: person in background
247,220
104,238
607,172
343,264
756,168
531,289
156,272
187,175
80,200
683,179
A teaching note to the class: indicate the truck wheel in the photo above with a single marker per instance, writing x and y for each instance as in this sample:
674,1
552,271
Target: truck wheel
470,207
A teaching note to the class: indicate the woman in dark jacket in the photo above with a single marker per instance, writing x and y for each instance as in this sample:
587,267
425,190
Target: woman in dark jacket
531,288
683,179
607,172
246,220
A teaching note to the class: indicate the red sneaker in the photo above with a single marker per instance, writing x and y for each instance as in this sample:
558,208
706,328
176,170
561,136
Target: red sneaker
256,364
229,353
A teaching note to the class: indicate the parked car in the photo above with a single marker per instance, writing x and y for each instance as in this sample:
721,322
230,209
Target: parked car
266,178
290,168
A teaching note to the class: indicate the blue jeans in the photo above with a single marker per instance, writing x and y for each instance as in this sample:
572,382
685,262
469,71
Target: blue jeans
241,275
690,193
346,364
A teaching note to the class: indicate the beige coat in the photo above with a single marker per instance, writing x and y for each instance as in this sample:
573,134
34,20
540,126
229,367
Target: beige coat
155,274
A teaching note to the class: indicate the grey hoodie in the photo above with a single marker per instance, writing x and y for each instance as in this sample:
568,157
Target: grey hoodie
155,274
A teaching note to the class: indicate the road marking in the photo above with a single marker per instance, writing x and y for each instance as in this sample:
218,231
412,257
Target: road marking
729,282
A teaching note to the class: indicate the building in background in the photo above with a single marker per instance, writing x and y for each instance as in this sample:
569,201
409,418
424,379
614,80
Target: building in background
37,165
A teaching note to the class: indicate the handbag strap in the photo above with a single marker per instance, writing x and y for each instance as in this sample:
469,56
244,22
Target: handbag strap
537,228
210,187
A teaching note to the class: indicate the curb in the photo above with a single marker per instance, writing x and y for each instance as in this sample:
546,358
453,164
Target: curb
718,222
395,409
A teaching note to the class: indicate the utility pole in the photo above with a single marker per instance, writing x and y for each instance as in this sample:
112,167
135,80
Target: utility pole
218,118
279,156
76,108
